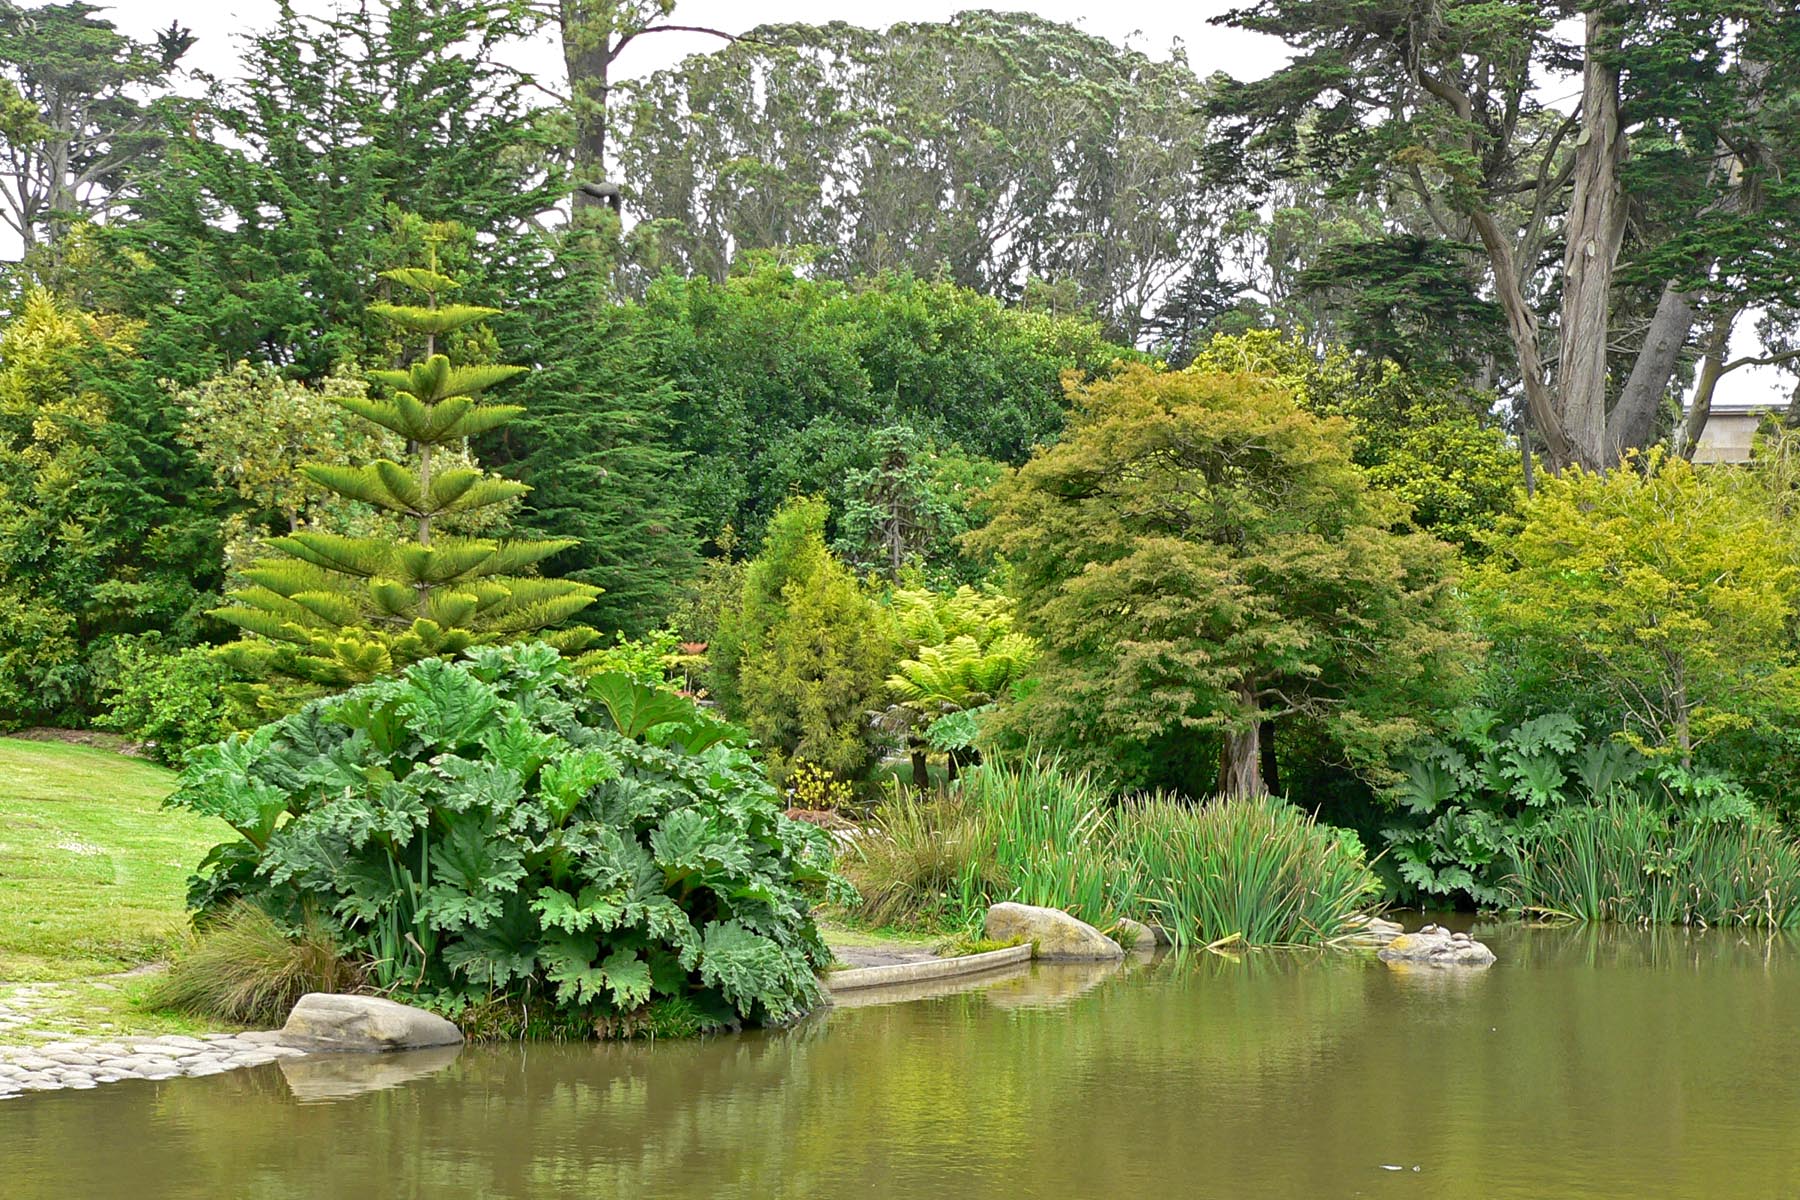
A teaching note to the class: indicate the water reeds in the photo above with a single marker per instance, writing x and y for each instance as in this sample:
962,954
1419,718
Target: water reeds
1632,860
1259,871
1256,870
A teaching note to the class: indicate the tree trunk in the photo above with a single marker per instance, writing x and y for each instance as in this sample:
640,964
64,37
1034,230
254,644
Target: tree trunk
1712,366
1595,229
1240,762
1271,769
921,773
588,30
1632,425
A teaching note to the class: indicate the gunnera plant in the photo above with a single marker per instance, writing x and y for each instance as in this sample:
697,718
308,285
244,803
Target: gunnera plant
245,967
498,830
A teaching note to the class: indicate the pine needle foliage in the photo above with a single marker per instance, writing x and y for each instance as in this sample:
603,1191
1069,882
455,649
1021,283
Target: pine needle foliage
335,610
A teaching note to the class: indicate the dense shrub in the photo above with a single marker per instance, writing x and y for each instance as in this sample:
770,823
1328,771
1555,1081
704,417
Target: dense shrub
171,701
1200,559
802,657
496,828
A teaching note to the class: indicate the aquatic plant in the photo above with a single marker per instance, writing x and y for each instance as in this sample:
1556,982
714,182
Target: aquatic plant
1256,869
499,828
1633,859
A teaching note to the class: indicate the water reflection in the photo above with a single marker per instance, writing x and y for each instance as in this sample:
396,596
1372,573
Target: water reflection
1583,1064
338,1076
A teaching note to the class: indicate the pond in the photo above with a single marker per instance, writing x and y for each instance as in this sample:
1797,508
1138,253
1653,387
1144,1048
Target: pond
1586,1063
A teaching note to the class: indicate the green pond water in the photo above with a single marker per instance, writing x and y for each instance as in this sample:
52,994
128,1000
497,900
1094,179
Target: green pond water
1586,1063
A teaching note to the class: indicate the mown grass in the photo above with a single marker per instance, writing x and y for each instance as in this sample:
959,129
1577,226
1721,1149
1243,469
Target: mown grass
93,873
1255,871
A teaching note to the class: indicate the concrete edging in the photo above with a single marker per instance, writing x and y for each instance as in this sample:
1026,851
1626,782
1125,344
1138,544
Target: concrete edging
926,969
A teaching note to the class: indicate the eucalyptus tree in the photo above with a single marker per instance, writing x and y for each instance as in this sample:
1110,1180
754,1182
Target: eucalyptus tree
1620,166
994,147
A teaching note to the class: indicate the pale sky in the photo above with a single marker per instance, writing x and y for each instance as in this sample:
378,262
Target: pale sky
1149,25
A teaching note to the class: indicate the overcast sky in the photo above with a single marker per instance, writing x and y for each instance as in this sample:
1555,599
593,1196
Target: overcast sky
1149,25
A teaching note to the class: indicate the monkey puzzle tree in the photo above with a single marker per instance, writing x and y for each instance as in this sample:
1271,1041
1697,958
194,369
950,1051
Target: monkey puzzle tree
337,610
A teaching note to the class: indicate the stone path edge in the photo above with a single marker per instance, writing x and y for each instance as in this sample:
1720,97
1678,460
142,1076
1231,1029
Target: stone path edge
80,1063
929,969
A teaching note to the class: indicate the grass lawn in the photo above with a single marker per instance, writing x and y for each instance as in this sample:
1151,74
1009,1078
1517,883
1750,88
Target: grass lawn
92,872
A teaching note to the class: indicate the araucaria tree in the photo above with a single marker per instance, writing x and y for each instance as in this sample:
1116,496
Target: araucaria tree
338,610
1200,558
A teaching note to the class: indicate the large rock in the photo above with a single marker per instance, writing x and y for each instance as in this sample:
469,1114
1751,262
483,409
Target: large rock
1436,947
1056,935
1139,937
328,1021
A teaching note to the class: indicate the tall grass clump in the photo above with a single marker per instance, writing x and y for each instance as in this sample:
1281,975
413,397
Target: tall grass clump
1255,870
1634,860
1054,838
245,968
923,861
1260,871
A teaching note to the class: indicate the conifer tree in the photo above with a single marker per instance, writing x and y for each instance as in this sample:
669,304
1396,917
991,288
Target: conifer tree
335,610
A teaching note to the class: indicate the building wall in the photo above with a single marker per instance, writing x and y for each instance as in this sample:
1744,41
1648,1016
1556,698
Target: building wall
1727,436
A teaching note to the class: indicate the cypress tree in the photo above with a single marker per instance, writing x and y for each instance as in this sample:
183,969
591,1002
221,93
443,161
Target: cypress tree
334,610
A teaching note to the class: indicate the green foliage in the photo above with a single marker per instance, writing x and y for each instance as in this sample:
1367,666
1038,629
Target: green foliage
1465,802
244,967
1423,438
598,446
336,609
1410,300
645,659
103,529
1256,870
259,229
998,149
1658,601
910,508
1631,859
1197,557
486,830
778,380
800,660
170,700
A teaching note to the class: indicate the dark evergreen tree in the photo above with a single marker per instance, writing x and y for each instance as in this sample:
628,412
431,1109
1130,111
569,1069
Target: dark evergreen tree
595,446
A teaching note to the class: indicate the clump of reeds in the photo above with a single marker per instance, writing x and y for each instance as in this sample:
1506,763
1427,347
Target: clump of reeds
1258,871
1633,860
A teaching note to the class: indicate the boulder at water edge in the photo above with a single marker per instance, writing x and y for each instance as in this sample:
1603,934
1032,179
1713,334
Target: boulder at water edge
1436,948
329,1021
1055,933
1138,937
1373,931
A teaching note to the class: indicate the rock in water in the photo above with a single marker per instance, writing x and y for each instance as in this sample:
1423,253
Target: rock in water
1055,933
1437,949
329,1021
